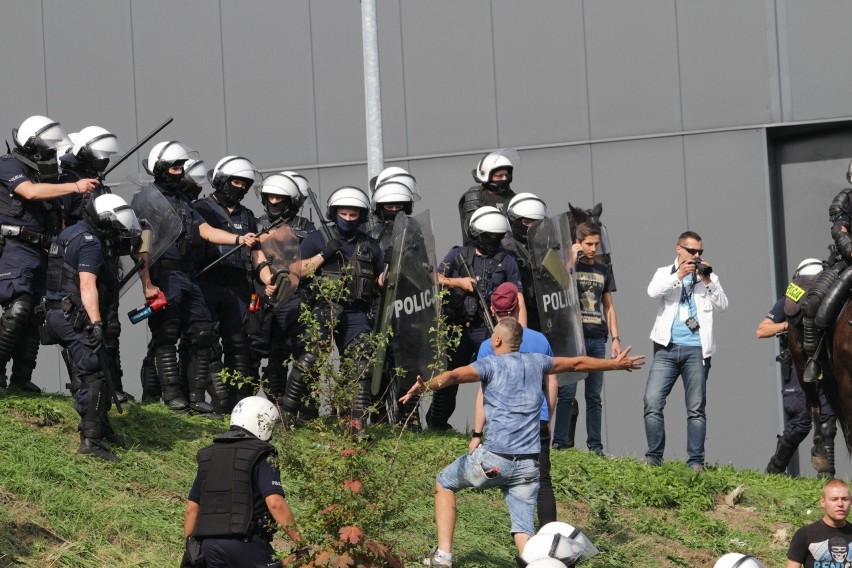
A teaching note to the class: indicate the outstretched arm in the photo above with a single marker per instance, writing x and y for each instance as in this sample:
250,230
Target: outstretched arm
466,374
585,364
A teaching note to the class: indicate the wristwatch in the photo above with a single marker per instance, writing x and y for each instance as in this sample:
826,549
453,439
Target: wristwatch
476,435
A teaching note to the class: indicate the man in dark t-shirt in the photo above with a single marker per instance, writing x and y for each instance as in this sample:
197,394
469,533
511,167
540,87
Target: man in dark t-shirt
825,543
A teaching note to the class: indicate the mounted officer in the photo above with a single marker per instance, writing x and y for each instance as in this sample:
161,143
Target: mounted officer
494,175
82,286
29,219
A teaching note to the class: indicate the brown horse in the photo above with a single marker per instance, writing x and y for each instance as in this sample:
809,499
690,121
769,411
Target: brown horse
836,362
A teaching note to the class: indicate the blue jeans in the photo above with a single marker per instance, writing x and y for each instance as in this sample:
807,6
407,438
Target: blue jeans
669,363
595,347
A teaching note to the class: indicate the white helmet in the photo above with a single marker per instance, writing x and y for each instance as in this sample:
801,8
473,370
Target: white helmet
399,175
808,267
231,167
553,545
285,186
194,176
110,211
737,560
547,563
37,134
164,155
569,530
65,146
256,415
93,147
393,191
488,219
348,196
302,182
526,206
503,159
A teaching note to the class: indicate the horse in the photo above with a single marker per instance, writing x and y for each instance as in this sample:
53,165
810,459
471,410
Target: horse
836,363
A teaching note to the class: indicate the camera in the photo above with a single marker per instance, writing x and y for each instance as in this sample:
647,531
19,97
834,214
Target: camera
703,269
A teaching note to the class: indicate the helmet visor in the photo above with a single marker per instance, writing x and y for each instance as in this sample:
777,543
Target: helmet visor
50,137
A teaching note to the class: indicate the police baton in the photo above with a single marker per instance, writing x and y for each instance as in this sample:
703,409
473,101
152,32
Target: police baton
322,221
461,263
131,273
207,268
107,370
134,149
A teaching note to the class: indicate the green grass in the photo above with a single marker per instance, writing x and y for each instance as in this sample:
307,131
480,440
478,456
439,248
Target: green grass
61,509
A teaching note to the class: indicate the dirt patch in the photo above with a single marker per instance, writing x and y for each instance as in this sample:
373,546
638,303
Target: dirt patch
21,530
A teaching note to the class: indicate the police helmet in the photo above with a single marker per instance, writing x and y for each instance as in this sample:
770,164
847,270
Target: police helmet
283,185
504,159
488,219
348,196
194,176
93,147
399,175
526,206
737,560
165,155
393,191
300,181
230,168
569,530
546,563
256,415
39,134
553,545
808,267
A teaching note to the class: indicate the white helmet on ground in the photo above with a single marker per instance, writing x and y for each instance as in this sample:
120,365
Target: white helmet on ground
552,545
569,530
256,415
503,159
547,563
93,147
737,560
164,155
348,196
488,219
39,133
808,267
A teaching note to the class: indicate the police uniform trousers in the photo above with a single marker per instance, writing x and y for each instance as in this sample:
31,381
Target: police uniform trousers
444,400
279,340
237,552
186,303
23,270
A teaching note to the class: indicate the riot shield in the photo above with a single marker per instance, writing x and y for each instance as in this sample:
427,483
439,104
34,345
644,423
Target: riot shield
281,248
161,226
558,305
604,256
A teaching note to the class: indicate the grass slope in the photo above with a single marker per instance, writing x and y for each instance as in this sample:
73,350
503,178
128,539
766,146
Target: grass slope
61,509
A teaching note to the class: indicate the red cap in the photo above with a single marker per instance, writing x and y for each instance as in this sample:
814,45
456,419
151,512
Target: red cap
505,298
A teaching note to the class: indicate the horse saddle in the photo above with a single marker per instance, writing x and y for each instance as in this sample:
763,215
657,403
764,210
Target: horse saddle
796,291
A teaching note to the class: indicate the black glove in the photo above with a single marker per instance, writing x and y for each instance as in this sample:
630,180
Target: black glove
332,247
96,334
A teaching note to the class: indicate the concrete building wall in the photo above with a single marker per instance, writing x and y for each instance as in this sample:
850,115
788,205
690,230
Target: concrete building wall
660,110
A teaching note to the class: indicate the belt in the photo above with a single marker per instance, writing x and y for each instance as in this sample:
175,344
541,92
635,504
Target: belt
53,304
517,457
24,235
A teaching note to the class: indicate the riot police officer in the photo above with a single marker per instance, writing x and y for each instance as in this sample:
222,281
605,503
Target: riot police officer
82,286
227,286
348,207
186,315
494,176
282,198
826,297
89,157
490,265
235,521
29,218
523,211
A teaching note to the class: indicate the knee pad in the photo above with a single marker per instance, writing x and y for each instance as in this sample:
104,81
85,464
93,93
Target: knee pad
829,429
820,288
206,336
17,315
167,334
833,302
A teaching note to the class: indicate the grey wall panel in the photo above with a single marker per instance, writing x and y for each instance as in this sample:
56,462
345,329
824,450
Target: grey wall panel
724,63
641,185
631,50
268,77
819,45
449,76
339,81
726,199
92,82
393,79
540,64
557,175
180,78
25,90
441,183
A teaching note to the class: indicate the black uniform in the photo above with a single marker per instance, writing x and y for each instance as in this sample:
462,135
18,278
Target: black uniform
476,197
461,308
26,228
521,253
79,249
233,480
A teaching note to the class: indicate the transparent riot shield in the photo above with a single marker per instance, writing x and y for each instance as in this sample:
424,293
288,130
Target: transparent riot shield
604,256
558,305
281,248
161,226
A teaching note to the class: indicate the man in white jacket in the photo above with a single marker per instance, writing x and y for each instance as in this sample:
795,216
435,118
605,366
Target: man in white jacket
689,292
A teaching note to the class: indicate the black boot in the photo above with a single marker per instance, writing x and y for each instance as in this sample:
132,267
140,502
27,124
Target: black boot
198,375
784,451
92,444
575,413
828,429
166,368
297,383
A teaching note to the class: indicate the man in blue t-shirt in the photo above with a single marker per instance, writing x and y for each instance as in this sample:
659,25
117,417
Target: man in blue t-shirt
594,288
511,387
504,304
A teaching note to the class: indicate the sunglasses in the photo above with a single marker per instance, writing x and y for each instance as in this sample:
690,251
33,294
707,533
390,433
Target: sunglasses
693,252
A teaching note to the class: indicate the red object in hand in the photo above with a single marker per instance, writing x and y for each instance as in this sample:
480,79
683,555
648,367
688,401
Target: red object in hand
254,303
144,311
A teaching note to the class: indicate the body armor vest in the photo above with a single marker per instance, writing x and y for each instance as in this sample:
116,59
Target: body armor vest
521,254
184,241
240,261
362,282
63,279
298,223
228,500
462,307
39,215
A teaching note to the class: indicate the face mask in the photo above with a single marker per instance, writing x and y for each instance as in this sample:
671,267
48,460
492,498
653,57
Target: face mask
44,163
347,228
171,183
387,215
489,244
519,231
498,187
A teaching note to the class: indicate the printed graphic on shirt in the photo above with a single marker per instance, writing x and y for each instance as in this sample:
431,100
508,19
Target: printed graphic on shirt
590,286
831,553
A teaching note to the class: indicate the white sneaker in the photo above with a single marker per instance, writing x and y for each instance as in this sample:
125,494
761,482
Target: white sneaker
432,561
